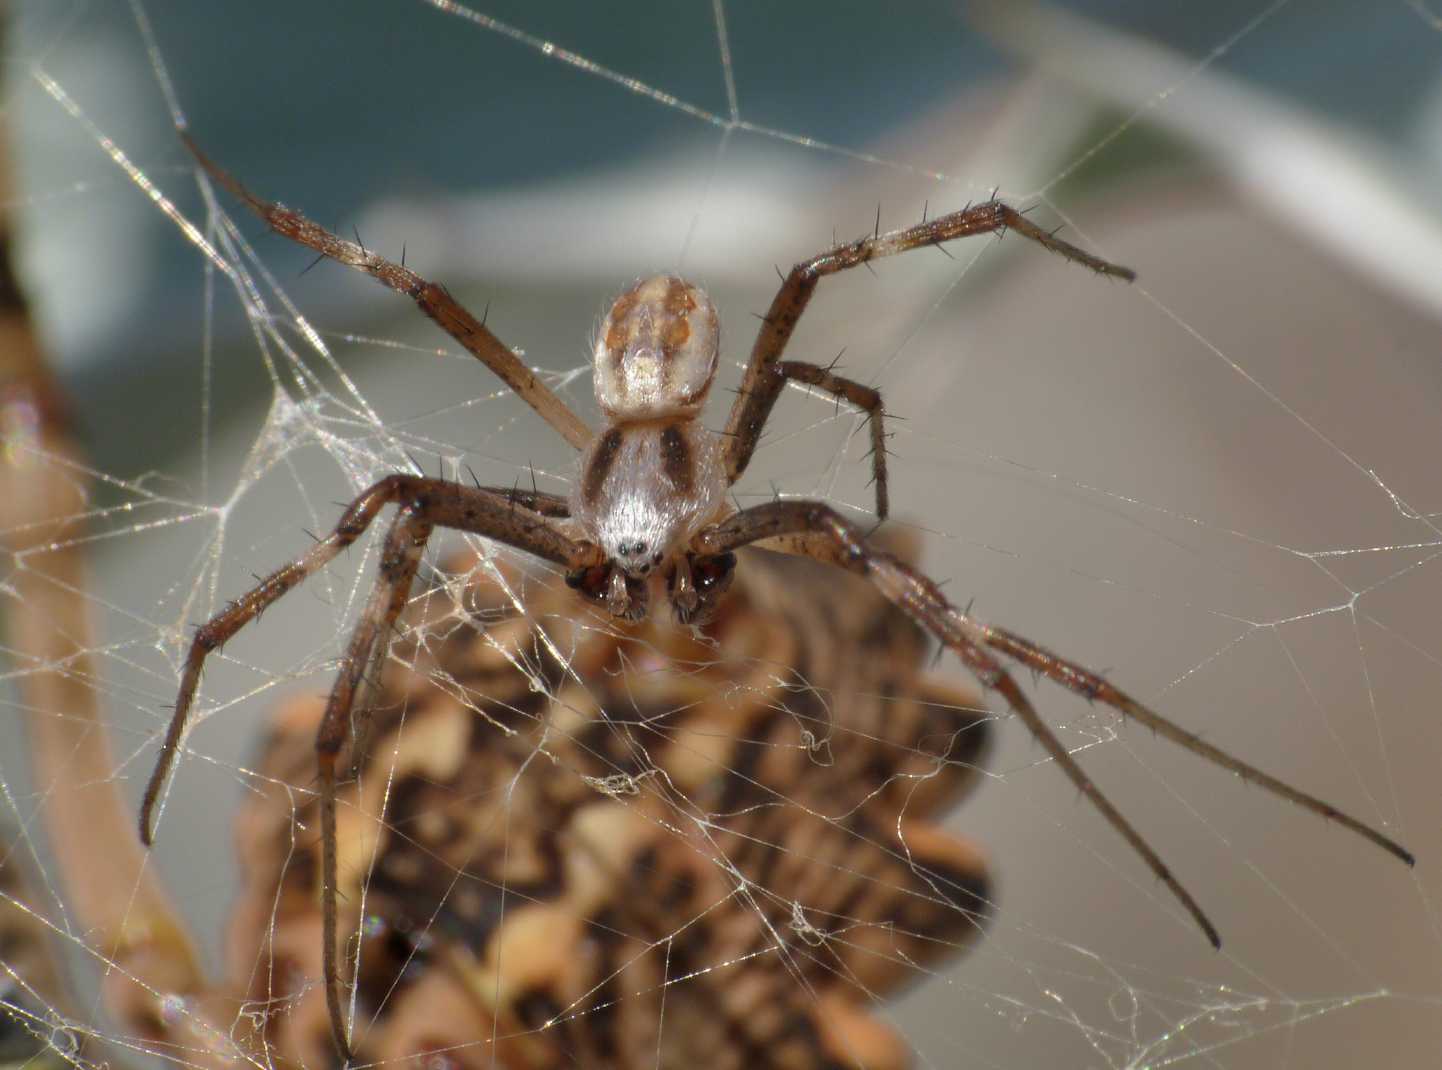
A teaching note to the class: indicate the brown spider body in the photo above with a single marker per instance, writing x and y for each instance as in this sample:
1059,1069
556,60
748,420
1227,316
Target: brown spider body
648,485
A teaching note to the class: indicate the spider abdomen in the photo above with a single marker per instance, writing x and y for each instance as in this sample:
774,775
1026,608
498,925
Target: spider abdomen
655,354
645,488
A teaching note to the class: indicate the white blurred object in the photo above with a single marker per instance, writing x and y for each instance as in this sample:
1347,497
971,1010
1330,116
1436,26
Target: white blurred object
1351,193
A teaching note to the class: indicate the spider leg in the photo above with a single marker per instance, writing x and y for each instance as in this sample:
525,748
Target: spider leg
745,423
1084,682
432,299
756,408
400,558
807,527
442,503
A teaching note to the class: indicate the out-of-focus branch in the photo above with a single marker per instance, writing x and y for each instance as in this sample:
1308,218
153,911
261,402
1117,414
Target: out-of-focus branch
151,969
1371,211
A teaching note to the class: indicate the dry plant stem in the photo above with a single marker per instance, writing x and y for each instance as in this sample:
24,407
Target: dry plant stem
129,921
795,525
432,299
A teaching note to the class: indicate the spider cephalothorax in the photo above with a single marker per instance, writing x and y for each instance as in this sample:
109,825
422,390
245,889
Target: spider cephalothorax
653,477
652,483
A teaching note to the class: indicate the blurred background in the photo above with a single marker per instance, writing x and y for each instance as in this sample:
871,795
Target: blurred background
1219,483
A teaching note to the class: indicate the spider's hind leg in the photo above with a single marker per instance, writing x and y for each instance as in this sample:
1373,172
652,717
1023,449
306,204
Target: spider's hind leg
808,527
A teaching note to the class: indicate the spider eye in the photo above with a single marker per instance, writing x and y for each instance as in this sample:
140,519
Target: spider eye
627,550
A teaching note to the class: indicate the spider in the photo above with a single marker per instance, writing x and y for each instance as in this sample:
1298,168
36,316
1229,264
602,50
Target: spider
649,515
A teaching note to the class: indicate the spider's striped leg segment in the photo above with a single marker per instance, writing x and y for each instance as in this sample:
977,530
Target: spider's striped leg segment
748,414
808,526
432,299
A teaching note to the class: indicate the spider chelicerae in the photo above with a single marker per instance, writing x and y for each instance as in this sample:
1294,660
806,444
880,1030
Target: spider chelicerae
649,517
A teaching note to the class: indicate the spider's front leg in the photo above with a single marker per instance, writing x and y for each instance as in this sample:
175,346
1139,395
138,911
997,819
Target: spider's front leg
816,530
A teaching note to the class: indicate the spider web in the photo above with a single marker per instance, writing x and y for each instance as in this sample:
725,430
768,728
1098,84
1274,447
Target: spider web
1218,484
